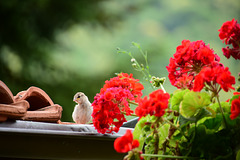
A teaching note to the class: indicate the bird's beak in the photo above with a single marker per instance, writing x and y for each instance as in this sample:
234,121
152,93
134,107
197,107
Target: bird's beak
75,100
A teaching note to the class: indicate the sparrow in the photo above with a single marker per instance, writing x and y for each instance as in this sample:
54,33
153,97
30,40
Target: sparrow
83,110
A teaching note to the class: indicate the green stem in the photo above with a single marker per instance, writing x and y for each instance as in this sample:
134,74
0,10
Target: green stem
131,102
175,127
142,70
134,115
162,88
156,136
129,115
224,119
168,156
156,145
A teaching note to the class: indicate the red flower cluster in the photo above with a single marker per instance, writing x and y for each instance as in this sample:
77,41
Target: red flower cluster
184,81
155,105
189,59
230,34
235,107
111,103
126,82
216,74
125,143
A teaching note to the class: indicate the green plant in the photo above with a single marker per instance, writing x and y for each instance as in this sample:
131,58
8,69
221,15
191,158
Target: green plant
189,123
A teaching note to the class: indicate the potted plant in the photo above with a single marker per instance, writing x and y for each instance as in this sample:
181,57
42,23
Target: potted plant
190,123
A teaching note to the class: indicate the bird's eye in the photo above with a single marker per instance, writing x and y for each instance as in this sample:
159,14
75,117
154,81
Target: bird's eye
78,96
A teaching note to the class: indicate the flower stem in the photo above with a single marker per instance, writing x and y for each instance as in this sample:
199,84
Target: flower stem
174,126
162,88
224,119
168,156
156,136
131,102
129,115
134,115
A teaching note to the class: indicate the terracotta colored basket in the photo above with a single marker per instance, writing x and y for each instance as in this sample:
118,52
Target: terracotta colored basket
41,108
9,108
30,105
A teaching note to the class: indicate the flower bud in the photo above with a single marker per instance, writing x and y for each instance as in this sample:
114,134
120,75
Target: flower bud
134,65
133,60
238,88
156,81
162,80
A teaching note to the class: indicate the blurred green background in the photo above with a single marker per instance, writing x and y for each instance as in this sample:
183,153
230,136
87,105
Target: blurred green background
69,46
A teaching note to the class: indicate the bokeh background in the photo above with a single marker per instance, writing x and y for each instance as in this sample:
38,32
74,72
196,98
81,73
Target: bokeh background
69,46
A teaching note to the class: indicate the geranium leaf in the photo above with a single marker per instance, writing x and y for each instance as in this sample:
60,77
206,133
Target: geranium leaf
238,155
234,97
214,123
192,102
203,112
163,132
225,106
183,121
140,131
177,98
230,122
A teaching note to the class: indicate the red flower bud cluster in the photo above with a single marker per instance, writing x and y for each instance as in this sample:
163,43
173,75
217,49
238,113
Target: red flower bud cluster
111,103
125,143
230,34
235,107
189,59
155,105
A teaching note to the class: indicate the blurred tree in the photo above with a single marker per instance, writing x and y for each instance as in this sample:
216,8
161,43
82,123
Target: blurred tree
27,32
28,28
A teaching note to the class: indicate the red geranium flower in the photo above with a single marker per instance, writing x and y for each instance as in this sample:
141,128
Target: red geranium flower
125,143
230,34
213,75
126,82
111,103
184,82
108,109
189,59
227,30
235,108
155,105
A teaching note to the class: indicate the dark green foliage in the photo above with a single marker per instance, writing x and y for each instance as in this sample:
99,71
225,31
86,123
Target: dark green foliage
28,29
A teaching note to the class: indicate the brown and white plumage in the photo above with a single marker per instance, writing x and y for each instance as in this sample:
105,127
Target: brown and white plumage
83,110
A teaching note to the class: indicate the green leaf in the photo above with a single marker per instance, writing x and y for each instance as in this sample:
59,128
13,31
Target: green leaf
203,112
183,121
163,132
192,102
232,123
225,106
238,155
141,130
214,123
177,98
234,97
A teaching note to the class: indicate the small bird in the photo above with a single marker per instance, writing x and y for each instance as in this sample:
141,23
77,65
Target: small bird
83,110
